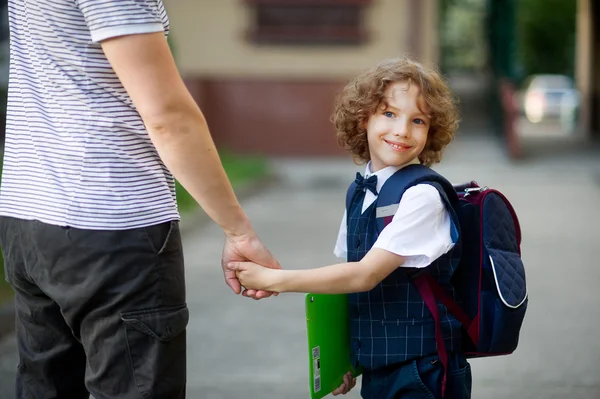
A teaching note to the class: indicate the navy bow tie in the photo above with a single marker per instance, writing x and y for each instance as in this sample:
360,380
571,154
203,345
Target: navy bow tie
369,183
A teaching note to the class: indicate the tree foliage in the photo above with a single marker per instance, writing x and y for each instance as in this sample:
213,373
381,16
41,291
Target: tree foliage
546,36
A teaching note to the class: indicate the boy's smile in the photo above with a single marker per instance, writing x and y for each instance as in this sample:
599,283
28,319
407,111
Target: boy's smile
397,131
396,146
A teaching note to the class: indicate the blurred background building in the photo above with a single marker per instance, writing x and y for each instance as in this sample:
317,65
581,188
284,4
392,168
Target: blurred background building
265,72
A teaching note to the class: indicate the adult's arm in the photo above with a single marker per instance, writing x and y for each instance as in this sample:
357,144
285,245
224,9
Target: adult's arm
146,68
176,125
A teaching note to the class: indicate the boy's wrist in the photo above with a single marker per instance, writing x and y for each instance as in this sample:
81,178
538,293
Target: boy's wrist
279,280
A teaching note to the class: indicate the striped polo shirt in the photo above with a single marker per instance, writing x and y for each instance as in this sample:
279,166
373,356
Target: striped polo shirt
77,152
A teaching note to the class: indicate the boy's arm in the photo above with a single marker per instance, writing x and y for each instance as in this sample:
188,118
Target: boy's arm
340,278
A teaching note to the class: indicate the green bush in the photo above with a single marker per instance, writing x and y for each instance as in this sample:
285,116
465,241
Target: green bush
239,169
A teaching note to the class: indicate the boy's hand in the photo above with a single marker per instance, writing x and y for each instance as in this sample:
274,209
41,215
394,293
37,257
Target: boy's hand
253,276
346,386
242,249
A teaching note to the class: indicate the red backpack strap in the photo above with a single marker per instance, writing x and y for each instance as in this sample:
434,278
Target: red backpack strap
431,291
441,295
423,286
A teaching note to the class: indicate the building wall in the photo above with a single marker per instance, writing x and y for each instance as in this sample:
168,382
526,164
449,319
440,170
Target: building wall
278,99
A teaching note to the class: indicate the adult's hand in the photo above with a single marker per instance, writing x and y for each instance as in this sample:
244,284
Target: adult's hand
248,247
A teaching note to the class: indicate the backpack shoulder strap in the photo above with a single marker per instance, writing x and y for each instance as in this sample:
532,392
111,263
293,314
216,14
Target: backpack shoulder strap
450,200
392,191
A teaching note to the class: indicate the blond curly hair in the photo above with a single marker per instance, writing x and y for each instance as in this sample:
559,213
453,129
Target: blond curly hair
364,94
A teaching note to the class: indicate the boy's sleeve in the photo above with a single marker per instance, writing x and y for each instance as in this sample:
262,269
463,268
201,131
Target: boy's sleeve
111,18
420,229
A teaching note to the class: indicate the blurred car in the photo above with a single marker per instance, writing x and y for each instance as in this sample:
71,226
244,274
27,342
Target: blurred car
550,97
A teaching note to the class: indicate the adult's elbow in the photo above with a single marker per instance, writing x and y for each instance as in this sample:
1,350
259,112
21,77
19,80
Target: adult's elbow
173,120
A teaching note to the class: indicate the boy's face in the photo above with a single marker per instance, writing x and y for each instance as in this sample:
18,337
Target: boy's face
397,131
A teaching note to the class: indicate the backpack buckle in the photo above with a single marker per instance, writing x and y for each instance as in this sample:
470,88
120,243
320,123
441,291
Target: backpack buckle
474,190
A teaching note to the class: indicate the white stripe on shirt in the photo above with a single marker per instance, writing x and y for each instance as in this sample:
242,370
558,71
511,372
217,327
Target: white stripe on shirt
77,152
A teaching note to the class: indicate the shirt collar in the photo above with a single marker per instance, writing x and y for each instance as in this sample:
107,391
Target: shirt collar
386,173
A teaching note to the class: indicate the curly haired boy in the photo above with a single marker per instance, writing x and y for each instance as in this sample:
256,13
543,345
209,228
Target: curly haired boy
394,115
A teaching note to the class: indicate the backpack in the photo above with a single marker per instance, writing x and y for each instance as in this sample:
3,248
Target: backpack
489,280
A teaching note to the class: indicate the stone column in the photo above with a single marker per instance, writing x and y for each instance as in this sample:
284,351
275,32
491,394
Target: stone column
583,62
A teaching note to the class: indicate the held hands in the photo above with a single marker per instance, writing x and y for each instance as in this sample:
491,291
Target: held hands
253,276
346,386
242,248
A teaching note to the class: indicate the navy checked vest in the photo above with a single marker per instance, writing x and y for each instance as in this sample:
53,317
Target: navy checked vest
391,323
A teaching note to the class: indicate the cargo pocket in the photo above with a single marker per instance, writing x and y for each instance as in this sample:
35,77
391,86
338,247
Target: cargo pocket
156,344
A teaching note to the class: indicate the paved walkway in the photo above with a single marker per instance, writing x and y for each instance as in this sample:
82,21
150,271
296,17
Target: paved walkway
240,348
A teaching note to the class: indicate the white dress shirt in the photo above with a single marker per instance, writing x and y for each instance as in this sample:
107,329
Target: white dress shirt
420,229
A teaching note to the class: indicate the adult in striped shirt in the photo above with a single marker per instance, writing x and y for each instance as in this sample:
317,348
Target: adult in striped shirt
98,118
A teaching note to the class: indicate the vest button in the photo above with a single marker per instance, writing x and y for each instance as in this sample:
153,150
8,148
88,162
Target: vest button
355,344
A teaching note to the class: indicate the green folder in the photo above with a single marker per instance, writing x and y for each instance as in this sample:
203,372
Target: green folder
328,330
